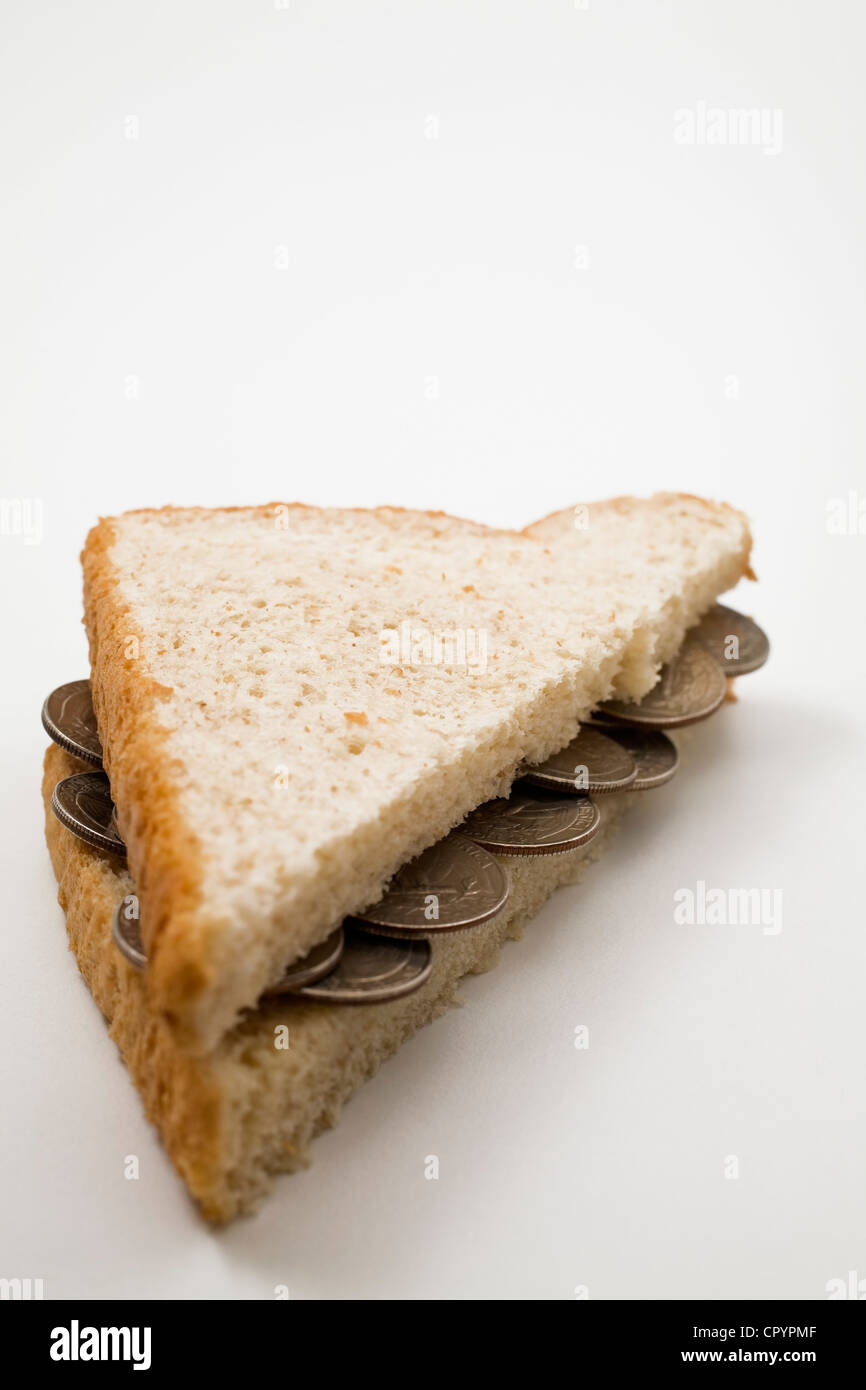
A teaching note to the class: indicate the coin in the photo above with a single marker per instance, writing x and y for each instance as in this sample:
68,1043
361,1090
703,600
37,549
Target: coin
126,932
452,885
372,970
319,962
691,687
68,718
83,804
736,642
590,763
527,824
656,755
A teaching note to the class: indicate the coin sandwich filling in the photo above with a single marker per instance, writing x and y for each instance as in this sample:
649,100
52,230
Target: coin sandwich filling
459,883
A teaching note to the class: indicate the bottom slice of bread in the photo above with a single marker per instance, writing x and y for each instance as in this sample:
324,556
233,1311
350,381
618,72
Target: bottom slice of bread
251,1108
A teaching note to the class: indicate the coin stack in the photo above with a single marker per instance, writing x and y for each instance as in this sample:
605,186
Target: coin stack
384,952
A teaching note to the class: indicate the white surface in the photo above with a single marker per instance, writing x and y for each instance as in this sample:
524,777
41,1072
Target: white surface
407,258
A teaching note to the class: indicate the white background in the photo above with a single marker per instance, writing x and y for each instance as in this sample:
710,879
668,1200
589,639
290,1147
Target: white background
250,301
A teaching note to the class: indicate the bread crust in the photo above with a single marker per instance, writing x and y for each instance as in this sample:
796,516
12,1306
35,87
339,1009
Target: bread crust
126,703
180,1093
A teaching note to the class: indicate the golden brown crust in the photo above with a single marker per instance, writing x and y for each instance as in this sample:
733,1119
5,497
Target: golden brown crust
180,1094
163,851
478,526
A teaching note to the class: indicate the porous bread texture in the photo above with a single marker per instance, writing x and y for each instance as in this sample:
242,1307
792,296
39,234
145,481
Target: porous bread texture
272,771
249,1110
640,550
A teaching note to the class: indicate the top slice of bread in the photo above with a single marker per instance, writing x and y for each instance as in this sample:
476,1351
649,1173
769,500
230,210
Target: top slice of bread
293,702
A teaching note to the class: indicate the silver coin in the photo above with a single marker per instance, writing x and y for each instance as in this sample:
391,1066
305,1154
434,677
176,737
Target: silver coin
691,687
372,970
68,718
83,804
736,642
315,965
127,934
525,824
657,757
590,763
319,962
452,885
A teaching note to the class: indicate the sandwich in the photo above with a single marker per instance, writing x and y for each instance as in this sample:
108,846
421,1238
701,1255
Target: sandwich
328,762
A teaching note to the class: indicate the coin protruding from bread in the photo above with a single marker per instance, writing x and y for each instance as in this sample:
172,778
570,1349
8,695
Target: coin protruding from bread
321,961
451,886
373,970
690,688
68,718
656,756
533,823
737,643
83,804
126,933
591,763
